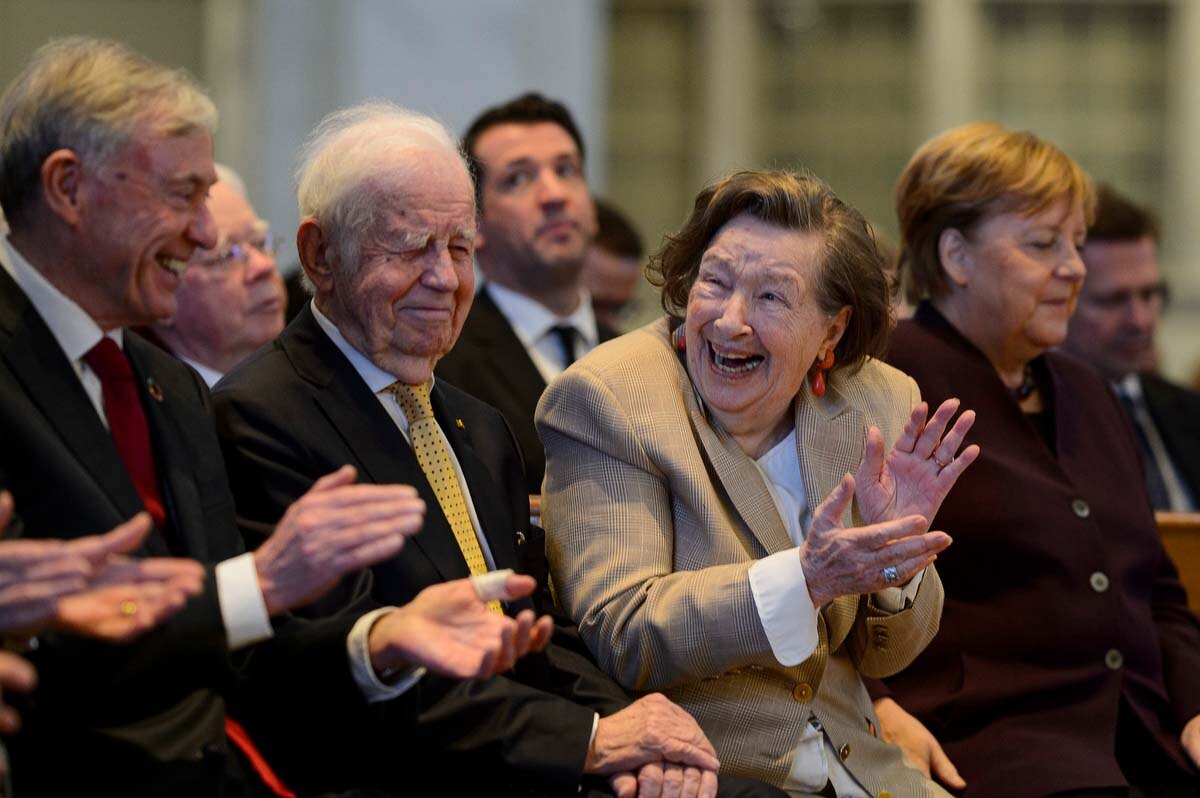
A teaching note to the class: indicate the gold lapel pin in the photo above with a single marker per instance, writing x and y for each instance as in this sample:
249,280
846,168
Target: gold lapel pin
458,423
153,389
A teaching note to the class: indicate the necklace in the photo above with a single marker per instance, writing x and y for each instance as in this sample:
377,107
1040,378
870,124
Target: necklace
1027,386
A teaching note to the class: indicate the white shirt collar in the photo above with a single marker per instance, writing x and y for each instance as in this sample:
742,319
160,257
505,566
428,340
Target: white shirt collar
75,331
376,378
531,320
210,375
1130,386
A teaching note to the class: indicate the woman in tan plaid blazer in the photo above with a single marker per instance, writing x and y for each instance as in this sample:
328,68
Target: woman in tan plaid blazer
703,528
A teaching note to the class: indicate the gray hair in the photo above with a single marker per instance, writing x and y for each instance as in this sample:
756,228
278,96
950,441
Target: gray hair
350,159
90,96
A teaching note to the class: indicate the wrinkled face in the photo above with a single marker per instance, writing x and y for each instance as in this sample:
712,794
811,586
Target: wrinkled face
537,218
405,305
1023,275
142,214
1119,307
612,280
753,325
232,300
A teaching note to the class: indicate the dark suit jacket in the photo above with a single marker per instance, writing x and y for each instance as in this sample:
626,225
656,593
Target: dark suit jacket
490,363
1176,412
146,718
1019,685
298,409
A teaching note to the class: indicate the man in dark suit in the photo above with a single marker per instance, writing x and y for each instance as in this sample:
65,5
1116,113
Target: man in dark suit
532,317
105,163
351,381
1114,329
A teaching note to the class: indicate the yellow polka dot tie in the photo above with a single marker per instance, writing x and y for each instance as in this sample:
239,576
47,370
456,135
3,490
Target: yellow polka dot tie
434,457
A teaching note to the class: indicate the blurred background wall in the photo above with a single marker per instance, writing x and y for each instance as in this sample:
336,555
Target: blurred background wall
672,93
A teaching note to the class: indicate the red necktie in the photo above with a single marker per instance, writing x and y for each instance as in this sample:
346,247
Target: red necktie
131,434
127,422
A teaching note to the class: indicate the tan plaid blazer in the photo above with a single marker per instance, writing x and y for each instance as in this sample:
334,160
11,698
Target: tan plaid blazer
653,518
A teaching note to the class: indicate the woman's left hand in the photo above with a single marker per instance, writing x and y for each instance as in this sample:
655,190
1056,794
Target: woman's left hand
1191,739
921,468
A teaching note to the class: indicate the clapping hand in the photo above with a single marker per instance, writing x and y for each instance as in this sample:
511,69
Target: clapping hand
921,468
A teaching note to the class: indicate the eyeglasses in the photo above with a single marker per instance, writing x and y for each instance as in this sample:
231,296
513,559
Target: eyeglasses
237,253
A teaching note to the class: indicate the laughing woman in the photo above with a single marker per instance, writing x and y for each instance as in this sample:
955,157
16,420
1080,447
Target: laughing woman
703,528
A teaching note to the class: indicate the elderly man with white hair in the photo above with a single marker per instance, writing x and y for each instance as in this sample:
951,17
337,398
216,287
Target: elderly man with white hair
105,164
231,298
387,242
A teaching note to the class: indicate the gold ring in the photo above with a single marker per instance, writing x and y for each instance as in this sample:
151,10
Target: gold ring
939,462
128,608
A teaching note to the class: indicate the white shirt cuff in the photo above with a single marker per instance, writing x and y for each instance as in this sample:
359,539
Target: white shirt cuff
358,650
895,599
784,606
243,610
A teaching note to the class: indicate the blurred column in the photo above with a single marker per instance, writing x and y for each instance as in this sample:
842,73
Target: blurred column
1182,234
728,75
232,74
949,33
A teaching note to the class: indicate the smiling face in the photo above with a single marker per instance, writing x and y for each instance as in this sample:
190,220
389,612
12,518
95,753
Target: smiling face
1017,279
405,304
141,215
754,327
231,302
1119,307
537,218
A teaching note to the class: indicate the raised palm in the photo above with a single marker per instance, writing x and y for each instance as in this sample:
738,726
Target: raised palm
921,468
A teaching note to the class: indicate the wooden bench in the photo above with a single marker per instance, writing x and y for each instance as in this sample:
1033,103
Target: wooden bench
1181,538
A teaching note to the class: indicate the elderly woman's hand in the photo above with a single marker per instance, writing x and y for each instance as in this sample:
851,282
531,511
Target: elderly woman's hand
921,468
841,561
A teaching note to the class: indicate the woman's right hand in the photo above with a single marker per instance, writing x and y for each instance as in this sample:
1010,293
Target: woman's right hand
850,561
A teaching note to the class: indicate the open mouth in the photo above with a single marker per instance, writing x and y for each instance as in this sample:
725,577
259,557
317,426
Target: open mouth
733,363
174,265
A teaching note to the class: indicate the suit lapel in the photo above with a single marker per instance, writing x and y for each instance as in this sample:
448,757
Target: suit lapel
40,365
829,442
381,450
739,479
507,359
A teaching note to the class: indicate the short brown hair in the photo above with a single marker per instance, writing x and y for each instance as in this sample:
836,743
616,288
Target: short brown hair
1119,218
962,175
851,269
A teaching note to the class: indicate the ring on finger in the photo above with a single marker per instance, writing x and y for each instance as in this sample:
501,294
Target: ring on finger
939,462
128,609
891,574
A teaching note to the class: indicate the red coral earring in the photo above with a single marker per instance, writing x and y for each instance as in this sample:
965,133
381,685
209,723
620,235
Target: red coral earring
818,372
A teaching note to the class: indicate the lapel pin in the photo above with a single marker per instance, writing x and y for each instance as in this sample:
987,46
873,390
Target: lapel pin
458,423
153,389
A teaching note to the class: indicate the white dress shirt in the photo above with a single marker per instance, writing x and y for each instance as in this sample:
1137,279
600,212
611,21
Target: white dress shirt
210,375
790,619
533,324
239,594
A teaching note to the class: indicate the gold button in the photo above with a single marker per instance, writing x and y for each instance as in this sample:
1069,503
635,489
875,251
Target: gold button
802,692
884,794
1081,508
1114,659
844,751
1099,581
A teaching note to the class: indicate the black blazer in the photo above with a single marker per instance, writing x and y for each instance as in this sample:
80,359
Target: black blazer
1176,412
1018,685
489,362
143,718
296,410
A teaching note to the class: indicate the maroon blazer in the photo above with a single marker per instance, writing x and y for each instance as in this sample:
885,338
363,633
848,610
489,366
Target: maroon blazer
1060,600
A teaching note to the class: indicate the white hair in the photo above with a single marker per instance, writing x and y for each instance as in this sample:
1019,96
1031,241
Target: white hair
227,175
90,96
352,157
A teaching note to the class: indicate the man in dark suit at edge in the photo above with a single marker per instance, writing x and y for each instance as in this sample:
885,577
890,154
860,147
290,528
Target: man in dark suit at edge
105,163
386,240
533,316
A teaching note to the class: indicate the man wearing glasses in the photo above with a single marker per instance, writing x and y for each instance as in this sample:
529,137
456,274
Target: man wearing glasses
231,300
1114,329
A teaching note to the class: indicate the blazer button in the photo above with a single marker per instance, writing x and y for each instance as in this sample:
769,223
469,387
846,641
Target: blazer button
844,751
520,538
1114,659
1081,508
802,692
1099,581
